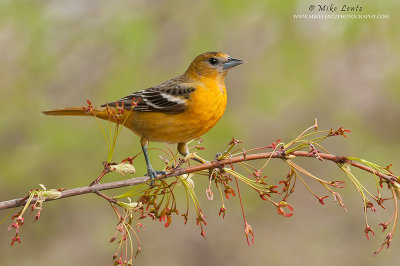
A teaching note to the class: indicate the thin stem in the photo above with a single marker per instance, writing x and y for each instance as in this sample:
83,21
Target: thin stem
196,168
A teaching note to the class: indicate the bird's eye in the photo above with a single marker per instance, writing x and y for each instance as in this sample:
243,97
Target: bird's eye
213,61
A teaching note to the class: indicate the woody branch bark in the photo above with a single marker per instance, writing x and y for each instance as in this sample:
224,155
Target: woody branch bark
215,164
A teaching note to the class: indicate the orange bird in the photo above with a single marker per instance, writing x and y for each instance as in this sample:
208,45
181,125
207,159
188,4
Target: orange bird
176,111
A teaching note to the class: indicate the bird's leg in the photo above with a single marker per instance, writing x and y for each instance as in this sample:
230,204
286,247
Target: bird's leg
150,171
184,151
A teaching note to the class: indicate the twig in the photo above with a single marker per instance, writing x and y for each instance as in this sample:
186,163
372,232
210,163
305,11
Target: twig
215,164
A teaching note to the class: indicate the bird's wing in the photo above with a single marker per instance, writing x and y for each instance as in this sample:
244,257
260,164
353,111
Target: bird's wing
168,97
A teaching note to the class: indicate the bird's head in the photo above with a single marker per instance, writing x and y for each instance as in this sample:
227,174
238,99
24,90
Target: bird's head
212,65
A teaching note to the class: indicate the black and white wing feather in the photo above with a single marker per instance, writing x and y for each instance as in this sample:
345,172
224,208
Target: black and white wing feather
168,97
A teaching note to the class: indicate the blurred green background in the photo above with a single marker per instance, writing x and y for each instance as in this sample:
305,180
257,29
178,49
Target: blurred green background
55,53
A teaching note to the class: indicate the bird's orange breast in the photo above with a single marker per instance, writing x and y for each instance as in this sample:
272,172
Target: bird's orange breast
204,108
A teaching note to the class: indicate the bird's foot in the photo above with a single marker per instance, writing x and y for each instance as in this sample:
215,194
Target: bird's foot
199,159
202,161
161,172
153,174
217,156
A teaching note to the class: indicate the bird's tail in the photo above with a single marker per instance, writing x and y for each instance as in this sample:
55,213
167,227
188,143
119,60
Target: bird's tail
70,111
100,112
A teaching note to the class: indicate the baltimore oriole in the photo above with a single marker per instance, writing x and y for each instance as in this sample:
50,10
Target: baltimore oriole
176,111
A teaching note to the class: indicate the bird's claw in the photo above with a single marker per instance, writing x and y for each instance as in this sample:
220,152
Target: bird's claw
161,172
217,156
200,160
153,175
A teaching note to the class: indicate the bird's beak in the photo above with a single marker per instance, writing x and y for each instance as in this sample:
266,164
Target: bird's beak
232,62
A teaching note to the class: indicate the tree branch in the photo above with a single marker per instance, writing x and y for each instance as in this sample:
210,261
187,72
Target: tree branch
215,164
